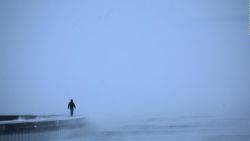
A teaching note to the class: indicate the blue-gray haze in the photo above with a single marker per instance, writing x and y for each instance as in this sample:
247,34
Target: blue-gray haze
125,59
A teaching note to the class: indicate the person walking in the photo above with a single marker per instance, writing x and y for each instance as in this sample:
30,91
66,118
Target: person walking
71,107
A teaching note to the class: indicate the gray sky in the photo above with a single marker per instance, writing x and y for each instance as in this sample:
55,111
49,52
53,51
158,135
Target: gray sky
124,58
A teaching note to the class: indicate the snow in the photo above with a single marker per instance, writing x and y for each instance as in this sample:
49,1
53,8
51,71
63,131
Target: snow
40,119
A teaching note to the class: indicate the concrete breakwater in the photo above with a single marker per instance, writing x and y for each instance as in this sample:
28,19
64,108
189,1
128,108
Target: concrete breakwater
37,127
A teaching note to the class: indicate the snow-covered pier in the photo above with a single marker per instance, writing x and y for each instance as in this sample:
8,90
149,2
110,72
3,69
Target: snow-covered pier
29,127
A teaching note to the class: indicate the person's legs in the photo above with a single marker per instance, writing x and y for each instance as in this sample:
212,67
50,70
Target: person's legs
71,112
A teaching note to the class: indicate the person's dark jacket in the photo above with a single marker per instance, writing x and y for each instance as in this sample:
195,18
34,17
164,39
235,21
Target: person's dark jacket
71,105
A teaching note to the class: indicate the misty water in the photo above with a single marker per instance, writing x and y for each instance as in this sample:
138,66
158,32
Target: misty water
171,129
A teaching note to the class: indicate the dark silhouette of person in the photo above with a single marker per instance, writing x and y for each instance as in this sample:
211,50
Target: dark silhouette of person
71,106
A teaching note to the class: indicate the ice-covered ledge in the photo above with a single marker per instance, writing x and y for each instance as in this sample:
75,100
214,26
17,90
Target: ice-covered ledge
33,123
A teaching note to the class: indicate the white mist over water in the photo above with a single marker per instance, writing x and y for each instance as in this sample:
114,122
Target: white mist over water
174,129
124,59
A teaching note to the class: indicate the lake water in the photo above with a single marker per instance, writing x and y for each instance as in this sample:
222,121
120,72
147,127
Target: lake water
173,129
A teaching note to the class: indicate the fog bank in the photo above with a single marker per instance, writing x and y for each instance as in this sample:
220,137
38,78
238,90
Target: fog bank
125,59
